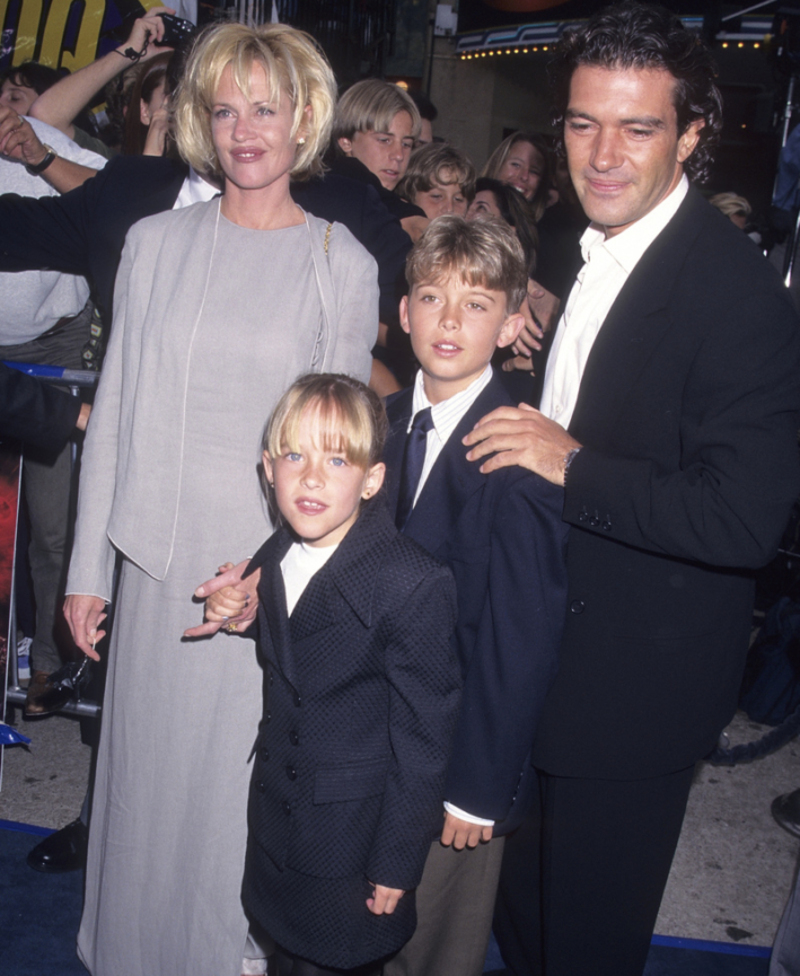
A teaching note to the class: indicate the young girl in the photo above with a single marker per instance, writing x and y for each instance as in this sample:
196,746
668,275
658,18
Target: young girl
361,693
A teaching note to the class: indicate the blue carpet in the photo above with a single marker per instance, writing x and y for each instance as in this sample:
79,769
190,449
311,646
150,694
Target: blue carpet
40,913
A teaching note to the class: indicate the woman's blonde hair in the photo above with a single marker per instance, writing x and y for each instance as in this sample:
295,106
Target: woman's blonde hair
351,418
295,67
483,253
369,106
437,163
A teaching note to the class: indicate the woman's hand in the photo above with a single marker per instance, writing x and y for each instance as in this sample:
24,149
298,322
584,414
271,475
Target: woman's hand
84,615
228,580
145,32
384,900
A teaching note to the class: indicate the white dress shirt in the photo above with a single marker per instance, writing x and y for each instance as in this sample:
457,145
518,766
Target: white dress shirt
607,264
299,565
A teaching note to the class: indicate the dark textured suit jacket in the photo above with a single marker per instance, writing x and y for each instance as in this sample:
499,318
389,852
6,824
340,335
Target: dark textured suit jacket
83,231
361,701
503,537
688,411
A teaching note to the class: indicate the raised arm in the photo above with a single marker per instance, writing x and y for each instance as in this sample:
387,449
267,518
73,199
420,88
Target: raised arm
19,142
59,105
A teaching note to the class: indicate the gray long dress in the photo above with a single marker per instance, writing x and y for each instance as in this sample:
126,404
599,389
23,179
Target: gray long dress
168,828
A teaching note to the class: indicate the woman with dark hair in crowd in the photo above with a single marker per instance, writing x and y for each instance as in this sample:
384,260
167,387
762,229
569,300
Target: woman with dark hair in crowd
147,115
218,308
501,200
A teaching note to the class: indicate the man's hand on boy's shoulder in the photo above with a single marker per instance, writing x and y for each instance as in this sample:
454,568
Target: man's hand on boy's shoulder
461,833
522,436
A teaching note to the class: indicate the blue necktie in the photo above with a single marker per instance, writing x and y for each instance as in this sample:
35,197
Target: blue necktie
413,460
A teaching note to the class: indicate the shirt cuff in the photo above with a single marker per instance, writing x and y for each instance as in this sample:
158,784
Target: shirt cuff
463,815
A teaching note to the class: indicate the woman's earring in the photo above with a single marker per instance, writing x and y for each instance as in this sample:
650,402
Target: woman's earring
301,141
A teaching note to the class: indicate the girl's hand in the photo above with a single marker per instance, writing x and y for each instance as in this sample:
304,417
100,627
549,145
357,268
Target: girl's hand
228,576
384,900
84,615
227,603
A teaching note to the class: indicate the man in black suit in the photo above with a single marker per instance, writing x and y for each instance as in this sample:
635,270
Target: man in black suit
669,413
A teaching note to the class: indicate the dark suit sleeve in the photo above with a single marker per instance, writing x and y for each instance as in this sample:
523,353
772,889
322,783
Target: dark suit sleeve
516,649
424,686
389,244
34,412
724,499
48,233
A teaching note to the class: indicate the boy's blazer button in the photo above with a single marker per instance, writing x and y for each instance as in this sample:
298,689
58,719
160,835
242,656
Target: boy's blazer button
291,772
606,526
294,738
594,521
264,753
297,700
267,717
577,606
271,678
261,786
286,808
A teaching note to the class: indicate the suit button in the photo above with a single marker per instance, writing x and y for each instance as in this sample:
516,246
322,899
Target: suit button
594,521
294,738
577,606
271,679
261,786
267,718
264,753
583,517
291,772
297,700
606,526
286,808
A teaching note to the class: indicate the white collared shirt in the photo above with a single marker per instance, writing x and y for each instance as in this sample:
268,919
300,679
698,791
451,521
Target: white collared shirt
607,264
195,189
446,416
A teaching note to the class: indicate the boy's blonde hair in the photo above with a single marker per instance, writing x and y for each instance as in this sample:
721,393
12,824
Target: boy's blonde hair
483,252
296,69
369,106
437,163
351,417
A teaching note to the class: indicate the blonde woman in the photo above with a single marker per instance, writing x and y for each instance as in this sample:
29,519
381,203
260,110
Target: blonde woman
219,307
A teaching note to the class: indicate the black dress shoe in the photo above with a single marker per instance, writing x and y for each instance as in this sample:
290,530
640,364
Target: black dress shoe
65,850
786,810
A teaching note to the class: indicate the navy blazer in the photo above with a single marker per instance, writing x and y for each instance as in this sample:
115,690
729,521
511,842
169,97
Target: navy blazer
82,232
688,410
362,692
503,537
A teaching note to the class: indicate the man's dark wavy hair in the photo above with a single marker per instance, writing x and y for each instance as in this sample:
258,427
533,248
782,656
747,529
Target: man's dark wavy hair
635,35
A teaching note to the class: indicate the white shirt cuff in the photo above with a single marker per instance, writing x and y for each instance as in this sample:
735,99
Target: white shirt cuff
463,815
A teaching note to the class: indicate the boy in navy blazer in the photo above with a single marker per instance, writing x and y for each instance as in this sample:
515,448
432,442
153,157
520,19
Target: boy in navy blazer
504,540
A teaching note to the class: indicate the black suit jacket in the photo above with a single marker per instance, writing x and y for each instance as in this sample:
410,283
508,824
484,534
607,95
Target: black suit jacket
82,232
34,412
361,700
503,537
688,410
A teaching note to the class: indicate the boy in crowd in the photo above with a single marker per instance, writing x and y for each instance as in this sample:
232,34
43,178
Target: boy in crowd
440,179
503,538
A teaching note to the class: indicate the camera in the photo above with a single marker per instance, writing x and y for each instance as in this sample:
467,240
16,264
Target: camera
177,30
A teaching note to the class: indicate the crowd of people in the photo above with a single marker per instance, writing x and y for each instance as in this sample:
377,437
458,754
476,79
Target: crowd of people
500,613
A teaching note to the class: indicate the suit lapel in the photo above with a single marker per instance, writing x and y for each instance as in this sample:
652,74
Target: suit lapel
453,479
635,324
273,594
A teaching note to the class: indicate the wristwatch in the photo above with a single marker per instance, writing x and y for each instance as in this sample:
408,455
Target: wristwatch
36,169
